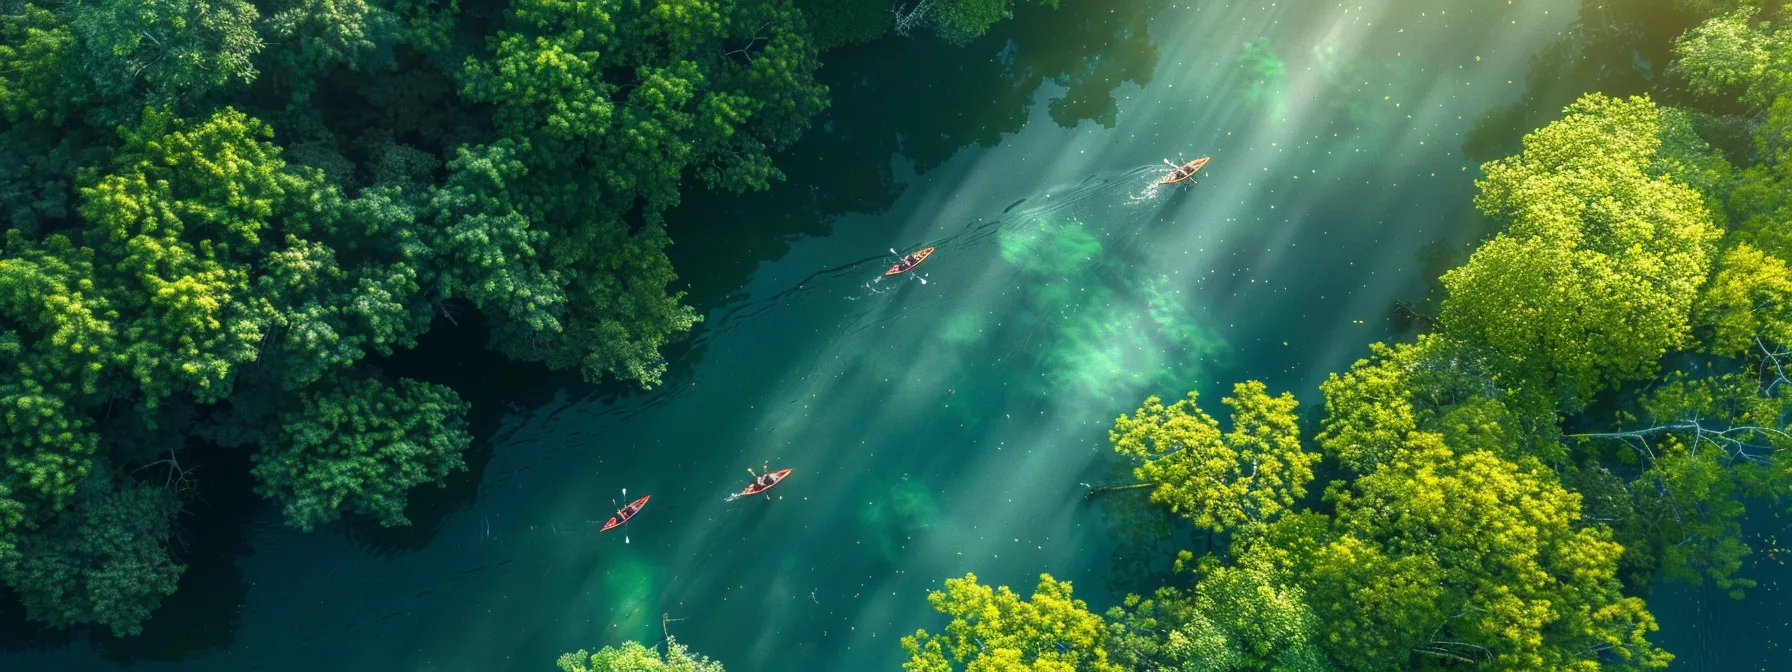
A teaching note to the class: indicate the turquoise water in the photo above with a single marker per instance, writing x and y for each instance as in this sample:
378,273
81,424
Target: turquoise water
945,421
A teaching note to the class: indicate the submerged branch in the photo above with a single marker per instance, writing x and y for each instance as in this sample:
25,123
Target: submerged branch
1093,491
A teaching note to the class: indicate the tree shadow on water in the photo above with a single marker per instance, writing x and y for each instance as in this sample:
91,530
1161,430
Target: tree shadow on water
453,353
1616,48
213,535
19,634
921,99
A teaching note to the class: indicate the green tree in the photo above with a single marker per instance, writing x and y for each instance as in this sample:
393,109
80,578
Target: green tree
997,631
632,657
1748,302
34,48
1437,386
961,20
1239,617
1470,558
56,336
1706,444
608,110
1729,54
166,52
360,446
486,251
314,33
1247,476
1595,277
177,221
103,560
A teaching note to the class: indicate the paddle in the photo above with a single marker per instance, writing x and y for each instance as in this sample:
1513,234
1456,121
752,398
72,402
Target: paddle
625,519
917,277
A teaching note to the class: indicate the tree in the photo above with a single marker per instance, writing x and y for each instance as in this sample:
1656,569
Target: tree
1474,559
1244,477
1727,54
317,33
1245,616
1437,386
166,52
607,110
56,336
1706,444
103,560
632,657
1595,277
360,446
310,36
1747,302
34,48
997,631
959,21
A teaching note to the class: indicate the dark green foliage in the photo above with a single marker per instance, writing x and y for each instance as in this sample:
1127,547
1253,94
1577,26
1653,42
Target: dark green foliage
837,23
1705,445
37,177
34,49
359,447
104,560
166,52
606,132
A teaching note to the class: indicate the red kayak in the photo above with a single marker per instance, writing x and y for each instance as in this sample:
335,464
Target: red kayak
1184,172
764,483
918,257
626,513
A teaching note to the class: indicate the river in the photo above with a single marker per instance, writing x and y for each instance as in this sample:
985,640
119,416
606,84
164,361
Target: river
940,422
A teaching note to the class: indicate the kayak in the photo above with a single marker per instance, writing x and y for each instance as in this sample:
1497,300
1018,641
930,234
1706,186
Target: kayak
626,513
920,256
1184,172
755,487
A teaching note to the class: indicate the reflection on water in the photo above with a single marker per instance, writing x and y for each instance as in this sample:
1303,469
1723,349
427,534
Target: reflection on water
923,101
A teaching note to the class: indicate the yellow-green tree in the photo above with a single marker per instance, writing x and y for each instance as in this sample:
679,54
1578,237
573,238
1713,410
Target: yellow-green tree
632,657
1594,279
1244,616
1748,303
1435,385
994,630
1441,557
1220,481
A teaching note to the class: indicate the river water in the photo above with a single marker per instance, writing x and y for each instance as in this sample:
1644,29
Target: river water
940,422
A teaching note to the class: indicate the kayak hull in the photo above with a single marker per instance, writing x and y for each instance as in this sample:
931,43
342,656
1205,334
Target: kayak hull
626,513
755,488
1184,171
919,255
